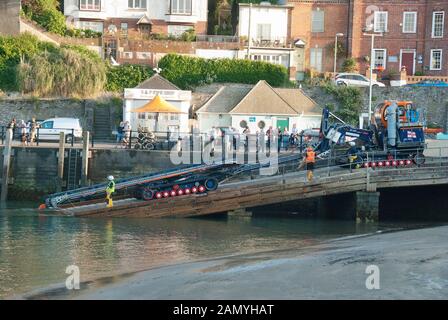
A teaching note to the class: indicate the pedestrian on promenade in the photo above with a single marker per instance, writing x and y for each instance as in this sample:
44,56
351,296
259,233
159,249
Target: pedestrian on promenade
293,139
246,133
120,133
212,137
280,139
12,125
269,133
127,134
285,136
33,131
23,129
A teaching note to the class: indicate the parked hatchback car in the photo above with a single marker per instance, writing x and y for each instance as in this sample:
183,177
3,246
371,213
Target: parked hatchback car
355,80
51,128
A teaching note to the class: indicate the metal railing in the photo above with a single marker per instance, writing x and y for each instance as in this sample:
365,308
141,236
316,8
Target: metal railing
167,140
216,38
40,136
436,158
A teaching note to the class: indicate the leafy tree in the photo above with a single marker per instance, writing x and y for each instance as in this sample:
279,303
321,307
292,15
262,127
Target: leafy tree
350,102
350,65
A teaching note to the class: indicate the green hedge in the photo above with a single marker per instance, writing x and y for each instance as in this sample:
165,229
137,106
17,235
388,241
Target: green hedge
188,72
126,76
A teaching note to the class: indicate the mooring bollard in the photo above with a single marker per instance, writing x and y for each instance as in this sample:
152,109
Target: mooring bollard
61,159
85,158
6,165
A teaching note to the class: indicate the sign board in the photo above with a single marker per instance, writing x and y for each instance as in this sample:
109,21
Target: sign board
252,119
148,94
420,59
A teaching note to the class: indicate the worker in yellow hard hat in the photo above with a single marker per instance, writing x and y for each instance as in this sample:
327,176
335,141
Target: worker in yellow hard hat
110,189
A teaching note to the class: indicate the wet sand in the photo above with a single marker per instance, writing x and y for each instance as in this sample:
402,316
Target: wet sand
413,264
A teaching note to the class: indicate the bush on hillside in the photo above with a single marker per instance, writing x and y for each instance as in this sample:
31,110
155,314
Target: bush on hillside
64,73
187,72
12,51
46,14
126,76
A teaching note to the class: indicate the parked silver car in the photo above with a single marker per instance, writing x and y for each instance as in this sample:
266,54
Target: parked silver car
355,80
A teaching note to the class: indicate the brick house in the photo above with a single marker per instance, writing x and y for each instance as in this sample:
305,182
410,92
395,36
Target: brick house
139,17
414,33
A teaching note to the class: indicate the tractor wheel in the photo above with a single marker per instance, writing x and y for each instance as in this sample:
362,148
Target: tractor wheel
147,194
211,184
419,159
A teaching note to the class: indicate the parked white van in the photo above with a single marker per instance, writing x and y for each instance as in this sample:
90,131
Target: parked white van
51,128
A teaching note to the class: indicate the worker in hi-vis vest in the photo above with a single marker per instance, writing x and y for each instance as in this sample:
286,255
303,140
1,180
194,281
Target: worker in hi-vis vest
110,189
310,160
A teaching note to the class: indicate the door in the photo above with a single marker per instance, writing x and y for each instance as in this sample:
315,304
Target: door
316,55
282,123
407,60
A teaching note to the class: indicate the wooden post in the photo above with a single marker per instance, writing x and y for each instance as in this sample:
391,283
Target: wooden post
61,158
85,158
6,165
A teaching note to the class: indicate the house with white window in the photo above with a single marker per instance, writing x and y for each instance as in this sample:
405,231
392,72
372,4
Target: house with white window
265,29
138,16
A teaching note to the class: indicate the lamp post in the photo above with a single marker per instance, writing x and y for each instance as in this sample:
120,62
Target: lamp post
249,33
336,51
372,65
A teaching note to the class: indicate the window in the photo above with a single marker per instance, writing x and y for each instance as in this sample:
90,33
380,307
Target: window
243,124
124,28
47,125
264,31
141,116
436,59
143,55
380,58
91,25
174,117
318,21
90,5
316,59
409,22
181,7
177,30
137,4
380,22
127,55
438,21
